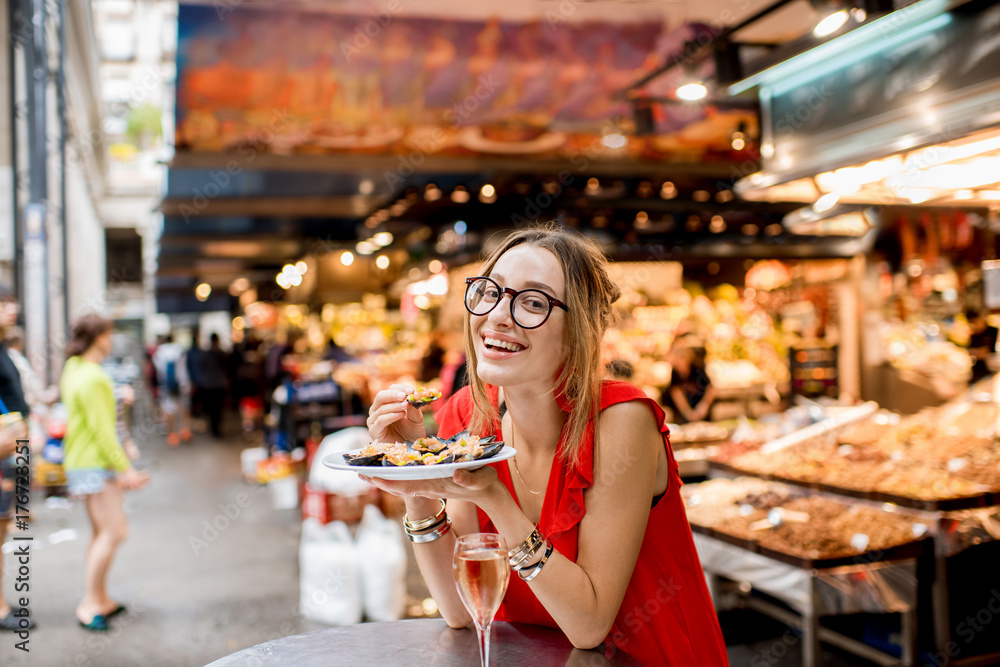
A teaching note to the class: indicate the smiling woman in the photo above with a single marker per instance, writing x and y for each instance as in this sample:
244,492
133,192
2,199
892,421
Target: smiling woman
594,495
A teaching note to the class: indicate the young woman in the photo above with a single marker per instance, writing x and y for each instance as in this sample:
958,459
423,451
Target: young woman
594,472
97,468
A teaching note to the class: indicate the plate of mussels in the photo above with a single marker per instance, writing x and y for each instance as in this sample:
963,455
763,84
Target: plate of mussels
424,458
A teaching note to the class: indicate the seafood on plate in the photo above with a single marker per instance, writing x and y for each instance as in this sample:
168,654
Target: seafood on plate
461,447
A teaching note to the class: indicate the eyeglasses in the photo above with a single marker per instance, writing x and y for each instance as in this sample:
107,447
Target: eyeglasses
529,307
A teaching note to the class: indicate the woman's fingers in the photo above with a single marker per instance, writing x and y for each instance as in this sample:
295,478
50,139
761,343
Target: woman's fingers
382,424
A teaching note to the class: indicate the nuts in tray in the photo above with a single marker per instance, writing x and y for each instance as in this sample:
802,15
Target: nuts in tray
753,510
937,454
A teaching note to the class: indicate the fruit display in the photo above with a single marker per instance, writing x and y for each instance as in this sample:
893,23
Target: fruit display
773,517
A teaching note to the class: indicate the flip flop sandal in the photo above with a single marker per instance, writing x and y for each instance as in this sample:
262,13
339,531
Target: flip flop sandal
120,609
12,622
97,624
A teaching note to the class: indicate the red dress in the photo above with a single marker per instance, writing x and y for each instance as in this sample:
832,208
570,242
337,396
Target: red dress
667,616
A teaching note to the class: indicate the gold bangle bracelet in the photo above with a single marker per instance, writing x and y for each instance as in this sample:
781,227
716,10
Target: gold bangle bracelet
436,534
533,570
426,522
530,546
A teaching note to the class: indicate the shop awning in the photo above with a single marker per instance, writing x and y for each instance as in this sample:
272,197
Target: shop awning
903,110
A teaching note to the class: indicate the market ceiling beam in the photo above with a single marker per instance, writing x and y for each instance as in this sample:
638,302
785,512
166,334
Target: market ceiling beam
404,166
336,207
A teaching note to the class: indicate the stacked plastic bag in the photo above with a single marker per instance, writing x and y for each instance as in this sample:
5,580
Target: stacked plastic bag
342,578
345,578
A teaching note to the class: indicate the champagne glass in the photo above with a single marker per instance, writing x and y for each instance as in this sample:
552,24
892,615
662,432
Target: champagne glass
481,575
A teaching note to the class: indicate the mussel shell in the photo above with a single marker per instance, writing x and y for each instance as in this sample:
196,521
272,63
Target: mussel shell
490,450
358,460
458,436
386,463
413,446
422,402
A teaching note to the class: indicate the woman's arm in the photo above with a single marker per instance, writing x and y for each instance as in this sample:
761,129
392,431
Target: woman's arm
584,597
705,404
435,558
681,401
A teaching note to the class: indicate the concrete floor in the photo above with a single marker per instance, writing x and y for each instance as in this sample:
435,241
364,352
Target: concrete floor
188,608
185,608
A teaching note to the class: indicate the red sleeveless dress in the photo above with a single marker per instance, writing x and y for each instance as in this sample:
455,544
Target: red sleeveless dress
667,616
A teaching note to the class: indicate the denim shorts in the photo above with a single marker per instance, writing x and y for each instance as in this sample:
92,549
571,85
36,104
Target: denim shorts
8,486
87,481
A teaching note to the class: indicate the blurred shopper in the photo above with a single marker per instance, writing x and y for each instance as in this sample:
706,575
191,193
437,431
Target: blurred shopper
336,353
690,393
982,343
170,364
97,468
38,397
212,365
248,384
192,361
12,397
32,385
433,360
274,371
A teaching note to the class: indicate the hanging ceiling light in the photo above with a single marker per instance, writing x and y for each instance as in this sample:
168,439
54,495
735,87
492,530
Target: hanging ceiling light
692,92
831,23
460,195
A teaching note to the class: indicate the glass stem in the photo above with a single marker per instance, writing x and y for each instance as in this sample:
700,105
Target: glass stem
484,642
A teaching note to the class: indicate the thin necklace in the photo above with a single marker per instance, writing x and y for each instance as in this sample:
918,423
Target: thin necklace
523,483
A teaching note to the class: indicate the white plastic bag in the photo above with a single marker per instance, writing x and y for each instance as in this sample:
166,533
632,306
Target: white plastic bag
383,566
329,583
284,492
339,481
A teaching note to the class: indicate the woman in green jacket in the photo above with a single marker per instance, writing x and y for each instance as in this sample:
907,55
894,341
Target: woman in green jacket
97,468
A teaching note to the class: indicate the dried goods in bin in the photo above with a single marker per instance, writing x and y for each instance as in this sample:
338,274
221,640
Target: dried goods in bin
816,528
948,455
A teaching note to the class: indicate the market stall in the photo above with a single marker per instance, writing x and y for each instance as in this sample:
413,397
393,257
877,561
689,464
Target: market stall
939,469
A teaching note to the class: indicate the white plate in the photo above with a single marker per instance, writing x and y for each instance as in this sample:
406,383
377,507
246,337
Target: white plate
336,461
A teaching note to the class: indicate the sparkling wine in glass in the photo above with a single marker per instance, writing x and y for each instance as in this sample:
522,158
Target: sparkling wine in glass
481,575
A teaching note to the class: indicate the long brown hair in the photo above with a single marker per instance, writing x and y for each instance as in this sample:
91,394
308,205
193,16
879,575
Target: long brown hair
590,294
86,329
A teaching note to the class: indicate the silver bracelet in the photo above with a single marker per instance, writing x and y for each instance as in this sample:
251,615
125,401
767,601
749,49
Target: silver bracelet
526,549
533,570
426,522
436,534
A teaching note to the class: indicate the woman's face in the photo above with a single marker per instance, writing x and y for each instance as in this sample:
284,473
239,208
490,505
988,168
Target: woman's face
538,353
103,343
8,313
